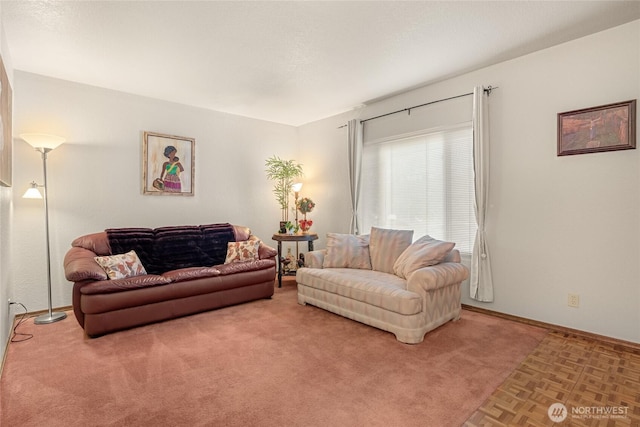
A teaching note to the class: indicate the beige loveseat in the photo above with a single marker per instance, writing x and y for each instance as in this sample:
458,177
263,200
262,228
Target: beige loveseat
385,281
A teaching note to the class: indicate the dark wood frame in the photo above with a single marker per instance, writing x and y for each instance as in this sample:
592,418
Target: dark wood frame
608,127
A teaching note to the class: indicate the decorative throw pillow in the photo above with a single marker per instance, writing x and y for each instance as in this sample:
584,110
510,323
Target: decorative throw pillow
347,251
246,250
121,266
386,245
423,252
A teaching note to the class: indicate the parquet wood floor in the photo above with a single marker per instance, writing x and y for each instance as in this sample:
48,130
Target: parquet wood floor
598,383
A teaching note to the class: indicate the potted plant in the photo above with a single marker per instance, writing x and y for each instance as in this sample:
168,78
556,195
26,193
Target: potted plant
291,227
283,172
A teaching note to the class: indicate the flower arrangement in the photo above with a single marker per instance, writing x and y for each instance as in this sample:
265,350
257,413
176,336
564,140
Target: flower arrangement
305,205
305,224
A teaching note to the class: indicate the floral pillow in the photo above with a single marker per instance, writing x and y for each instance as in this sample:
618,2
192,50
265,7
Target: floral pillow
121,266
246,250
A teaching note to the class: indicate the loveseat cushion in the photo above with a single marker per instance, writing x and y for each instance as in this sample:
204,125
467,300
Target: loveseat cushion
386,245
118,285
347,251
383,290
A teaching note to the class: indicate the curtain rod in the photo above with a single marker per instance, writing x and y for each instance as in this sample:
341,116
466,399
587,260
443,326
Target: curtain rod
487,90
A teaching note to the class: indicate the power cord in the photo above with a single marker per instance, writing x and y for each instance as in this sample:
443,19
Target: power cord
14,337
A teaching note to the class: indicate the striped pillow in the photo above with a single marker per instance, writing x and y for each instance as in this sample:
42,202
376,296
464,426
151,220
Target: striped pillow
386,245
347,251
424,252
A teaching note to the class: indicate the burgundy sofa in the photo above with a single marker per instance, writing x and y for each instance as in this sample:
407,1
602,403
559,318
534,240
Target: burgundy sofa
186,274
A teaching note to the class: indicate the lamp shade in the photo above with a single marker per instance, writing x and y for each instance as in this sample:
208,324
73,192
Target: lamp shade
32,192
296,187
42,140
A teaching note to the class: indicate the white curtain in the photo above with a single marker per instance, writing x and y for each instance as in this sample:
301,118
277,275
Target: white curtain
481,282
355,170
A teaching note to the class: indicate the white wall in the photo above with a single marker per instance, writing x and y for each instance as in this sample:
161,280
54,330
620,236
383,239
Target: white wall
556,225
95,178
6,215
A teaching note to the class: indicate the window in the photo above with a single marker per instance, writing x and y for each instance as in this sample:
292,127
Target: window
422,182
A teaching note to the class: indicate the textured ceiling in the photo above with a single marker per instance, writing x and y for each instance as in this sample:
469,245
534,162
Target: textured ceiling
287,62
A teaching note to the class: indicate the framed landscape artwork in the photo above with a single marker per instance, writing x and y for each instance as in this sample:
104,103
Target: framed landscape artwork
168,165
5,132
605,128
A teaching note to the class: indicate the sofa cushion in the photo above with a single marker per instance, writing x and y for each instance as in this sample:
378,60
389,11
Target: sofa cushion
171,248
242,267
190,273
215,238
177,247
383,290
121,266
243,251
386,245
118,285
347,250
123,240
423,252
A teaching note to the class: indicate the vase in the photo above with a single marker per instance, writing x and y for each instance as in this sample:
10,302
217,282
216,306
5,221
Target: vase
305,225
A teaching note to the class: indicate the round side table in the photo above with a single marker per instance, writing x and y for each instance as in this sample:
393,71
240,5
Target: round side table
304,237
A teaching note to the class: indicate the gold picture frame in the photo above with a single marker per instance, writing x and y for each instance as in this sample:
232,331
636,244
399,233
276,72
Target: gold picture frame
6,142
168,165
608,127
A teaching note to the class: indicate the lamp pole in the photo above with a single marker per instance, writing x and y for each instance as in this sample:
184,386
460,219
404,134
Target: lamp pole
50,317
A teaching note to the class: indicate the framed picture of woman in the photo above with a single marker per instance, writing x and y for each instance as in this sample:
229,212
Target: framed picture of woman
168,165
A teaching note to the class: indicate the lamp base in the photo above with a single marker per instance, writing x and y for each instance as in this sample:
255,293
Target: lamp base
49,318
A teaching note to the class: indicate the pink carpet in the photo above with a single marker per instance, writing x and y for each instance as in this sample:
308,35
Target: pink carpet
264,363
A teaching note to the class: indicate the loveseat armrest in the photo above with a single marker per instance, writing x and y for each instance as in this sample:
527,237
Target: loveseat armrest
437,276
315,259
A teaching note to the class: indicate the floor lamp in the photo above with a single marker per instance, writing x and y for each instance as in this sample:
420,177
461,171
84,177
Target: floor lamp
44,143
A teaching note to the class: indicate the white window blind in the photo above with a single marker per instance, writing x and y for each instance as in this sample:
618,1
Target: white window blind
422,182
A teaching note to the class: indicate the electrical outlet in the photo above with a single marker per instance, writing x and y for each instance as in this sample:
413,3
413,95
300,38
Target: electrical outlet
573,300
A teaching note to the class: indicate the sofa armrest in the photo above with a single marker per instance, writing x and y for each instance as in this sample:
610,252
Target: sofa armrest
315,259
437,276
266,251
79,264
